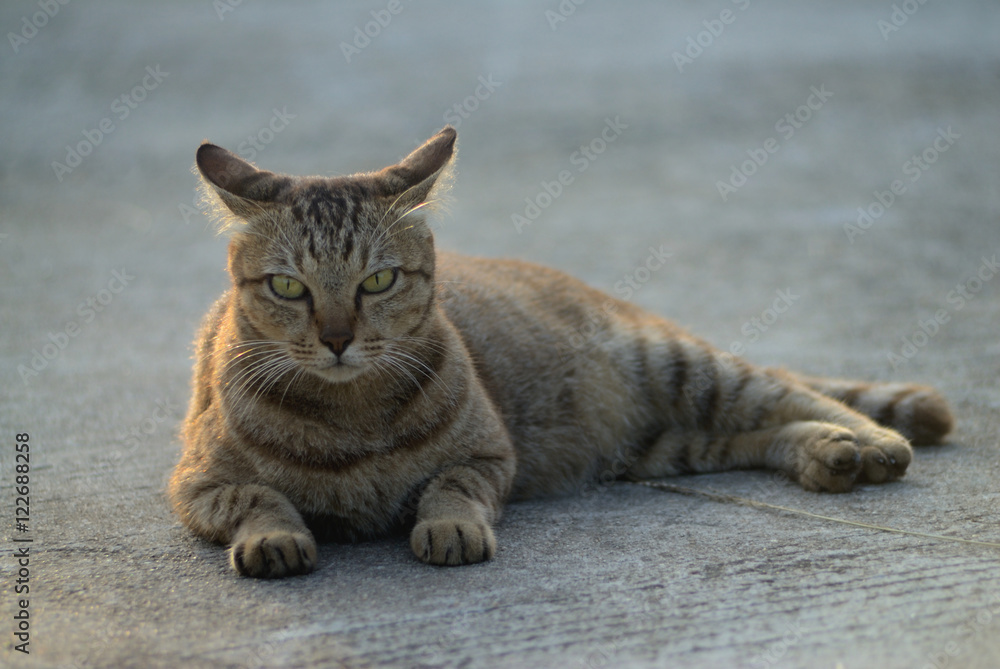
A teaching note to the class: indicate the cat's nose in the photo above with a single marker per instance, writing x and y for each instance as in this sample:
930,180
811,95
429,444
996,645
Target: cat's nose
336,340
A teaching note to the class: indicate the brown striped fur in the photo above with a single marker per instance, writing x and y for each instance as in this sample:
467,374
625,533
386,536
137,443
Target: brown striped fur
466,383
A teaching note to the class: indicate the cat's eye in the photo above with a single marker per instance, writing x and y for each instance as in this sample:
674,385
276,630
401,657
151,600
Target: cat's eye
379,281
287,287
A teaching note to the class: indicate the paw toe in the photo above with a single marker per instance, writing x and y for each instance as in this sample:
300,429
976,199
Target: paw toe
274,555
830,460
842,455
885,460
452,542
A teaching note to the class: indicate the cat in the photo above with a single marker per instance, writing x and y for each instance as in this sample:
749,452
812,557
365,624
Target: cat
354,380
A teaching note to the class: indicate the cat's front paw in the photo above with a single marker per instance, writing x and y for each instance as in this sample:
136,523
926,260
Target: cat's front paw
452,542
274,554
885,455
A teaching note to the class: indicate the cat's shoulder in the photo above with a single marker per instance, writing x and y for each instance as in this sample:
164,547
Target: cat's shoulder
499,273
450,262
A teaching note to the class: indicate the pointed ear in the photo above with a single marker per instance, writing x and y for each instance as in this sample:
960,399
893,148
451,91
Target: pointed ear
428,166
243,188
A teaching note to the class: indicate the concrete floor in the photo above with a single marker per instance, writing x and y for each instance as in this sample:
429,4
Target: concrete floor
622,577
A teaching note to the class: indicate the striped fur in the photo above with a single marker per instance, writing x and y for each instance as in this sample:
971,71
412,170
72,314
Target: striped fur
466,383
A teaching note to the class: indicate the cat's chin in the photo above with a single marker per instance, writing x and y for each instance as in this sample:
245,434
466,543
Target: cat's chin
338,373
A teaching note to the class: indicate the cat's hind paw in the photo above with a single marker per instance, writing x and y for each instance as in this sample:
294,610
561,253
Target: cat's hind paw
274,554
923,417
829,457
885,455
452,542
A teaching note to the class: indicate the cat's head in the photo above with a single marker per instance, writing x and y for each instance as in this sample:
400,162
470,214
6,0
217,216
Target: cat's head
334,275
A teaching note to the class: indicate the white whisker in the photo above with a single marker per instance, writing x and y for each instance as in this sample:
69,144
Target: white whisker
410,362
290,384
399,366
247,377
393,205
272,376
421,342
385,232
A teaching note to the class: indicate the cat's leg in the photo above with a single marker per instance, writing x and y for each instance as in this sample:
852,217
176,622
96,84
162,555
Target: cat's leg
456,512
884,453
718,412
464,497
822,457
266,535
917,412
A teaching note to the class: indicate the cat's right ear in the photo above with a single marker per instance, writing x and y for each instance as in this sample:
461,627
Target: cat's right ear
242,188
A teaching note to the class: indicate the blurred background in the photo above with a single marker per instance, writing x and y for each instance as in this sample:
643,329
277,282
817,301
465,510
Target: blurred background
697,88
821,177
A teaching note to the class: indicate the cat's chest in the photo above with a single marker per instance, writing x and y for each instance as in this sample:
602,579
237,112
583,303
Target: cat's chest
325,469
318,445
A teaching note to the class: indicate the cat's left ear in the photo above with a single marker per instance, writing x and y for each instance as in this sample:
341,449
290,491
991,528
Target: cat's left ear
425,170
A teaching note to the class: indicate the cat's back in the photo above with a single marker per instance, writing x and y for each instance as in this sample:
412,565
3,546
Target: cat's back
553,354
521,308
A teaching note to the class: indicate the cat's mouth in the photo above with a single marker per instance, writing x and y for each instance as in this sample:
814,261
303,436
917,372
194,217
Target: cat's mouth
337,371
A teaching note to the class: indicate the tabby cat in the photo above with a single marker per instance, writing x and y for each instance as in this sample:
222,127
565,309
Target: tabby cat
354,380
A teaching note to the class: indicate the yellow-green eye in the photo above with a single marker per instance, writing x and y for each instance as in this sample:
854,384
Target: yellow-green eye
287,287
378,281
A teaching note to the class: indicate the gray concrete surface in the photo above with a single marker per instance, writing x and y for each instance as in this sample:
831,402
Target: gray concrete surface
621,577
